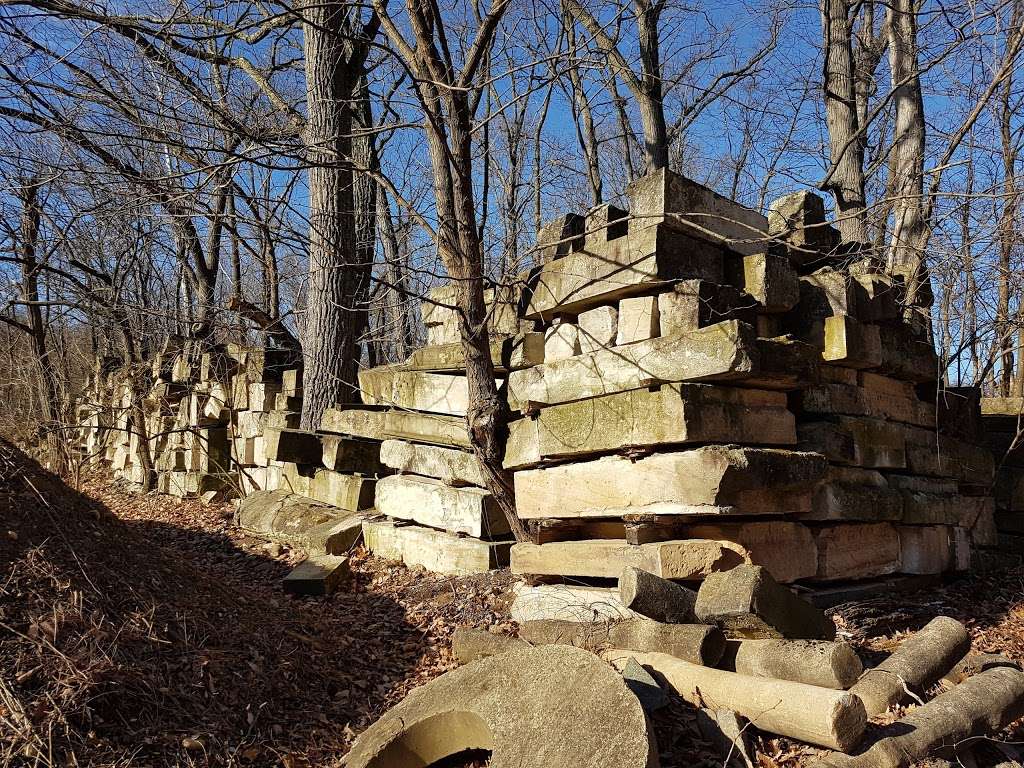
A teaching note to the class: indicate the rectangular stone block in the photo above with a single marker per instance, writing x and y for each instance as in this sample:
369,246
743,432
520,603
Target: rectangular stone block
598,328
686,206
403,425
856,440
829,399
347,454
907,356
636,263
879,300
561,340
449,465
262,395
291,382
709,480
771,280
639,320
439,312
849,343
673,414
429,501
606,558
855,494
294,445
415,390
785,549
823,294
520,351
297,479
317,576
692,304
798,219
342,490
936,455
560,236
436,551
925,549
857,551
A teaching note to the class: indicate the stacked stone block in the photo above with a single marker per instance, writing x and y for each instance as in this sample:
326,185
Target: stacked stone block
1003,428
721,385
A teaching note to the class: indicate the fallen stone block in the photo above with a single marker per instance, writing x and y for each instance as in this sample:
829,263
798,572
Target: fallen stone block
786,549
382,424
824,663
857,551
639,320
470,644
453,467
820,716
920,660
721,352
317,576
664,197
598,328
605,558
727,731
981,705
298,521
695,643
672,414
347,454
437,551
747,602
568,708
654,597
296,445
345,491
569,603
709,480
429,501
925,548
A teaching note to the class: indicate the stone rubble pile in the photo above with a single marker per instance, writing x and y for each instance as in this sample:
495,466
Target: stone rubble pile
694,386
719,387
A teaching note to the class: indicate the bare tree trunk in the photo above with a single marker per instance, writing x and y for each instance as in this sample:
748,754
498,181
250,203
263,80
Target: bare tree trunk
1007,239
333,312
31,216
583,118
910,230
846,180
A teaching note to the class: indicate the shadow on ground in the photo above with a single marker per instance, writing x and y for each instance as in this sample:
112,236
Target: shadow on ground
134,641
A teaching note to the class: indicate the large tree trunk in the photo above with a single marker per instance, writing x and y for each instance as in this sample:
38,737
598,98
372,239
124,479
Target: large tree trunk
332,321
847,180
1007,240
910,230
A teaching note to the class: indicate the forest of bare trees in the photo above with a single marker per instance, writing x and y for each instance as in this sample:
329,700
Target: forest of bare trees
303,175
